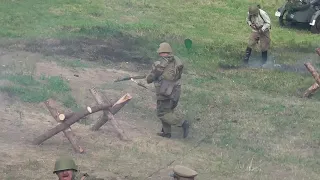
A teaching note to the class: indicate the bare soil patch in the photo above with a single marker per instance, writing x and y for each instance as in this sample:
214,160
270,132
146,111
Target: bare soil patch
116,49
106,156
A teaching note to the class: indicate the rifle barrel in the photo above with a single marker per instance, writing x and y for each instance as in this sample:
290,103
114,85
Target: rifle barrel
129,78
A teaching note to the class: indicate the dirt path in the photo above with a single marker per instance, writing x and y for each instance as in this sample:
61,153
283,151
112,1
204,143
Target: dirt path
106,156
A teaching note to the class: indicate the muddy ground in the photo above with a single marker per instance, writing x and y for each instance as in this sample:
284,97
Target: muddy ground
146,156
105,155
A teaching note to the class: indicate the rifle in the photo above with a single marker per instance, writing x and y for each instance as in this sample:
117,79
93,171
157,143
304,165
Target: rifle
139,84
130,77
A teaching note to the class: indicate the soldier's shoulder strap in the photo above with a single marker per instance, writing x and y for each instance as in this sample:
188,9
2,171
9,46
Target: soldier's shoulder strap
178,61
263,18
84,176
164,62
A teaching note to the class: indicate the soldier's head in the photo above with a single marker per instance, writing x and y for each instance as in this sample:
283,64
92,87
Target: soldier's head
253,10
183,173
65,168
164,49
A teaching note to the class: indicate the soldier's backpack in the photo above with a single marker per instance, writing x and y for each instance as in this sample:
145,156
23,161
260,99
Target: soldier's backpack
171,73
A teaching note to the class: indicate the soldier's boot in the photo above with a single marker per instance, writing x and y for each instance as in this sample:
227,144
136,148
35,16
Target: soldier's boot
166,135
168,130
185,127
247,56
264,56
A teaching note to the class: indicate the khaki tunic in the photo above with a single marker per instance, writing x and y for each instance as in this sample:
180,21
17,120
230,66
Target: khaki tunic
262,21
166,104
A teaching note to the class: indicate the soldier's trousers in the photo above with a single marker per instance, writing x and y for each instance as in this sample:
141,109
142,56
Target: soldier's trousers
167,114
264,39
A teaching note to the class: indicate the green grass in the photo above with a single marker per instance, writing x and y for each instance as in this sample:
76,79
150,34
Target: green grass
31,89
217,29
245,114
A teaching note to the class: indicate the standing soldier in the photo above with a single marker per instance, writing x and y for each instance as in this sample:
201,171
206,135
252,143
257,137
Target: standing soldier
166,74
66,169
260,24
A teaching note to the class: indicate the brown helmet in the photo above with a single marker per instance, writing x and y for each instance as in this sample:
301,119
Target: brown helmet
253,10
184,172
164,48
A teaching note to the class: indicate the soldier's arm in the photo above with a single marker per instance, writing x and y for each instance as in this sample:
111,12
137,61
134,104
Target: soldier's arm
248,20
180,69
157,70
253,26
267,22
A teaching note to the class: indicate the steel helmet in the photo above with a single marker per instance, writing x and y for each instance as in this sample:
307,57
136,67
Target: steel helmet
164,48
253,10
65,163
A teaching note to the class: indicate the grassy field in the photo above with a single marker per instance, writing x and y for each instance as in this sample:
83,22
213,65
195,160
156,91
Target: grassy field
255,123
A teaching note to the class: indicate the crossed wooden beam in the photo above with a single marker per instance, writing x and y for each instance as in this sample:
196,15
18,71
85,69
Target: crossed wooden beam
312,89
65,120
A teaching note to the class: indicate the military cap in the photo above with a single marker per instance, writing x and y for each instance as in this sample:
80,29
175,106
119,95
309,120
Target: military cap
184,171
253,10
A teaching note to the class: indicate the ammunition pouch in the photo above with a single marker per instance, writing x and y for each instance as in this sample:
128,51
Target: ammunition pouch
166,87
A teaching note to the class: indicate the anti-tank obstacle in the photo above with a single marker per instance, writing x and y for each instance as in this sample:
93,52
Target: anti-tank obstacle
65,120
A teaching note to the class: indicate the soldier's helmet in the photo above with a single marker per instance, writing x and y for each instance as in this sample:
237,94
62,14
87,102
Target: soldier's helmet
253,10
185,172
65,163
164,48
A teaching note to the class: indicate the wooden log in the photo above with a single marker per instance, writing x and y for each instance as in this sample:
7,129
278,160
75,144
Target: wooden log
107,115
315,75
114,109
120,103
63,117
318,51
68,122
311,90
313,71
68,132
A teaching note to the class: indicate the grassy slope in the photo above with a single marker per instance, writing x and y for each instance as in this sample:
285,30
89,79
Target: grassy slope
246,115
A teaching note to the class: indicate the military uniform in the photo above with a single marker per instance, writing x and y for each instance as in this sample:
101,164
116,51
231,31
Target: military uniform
260,23
183,173
166,74
67,163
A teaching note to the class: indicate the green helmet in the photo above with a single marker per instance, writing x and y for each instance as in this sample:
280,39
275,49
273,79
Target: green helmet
164,48
253,10
65,163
